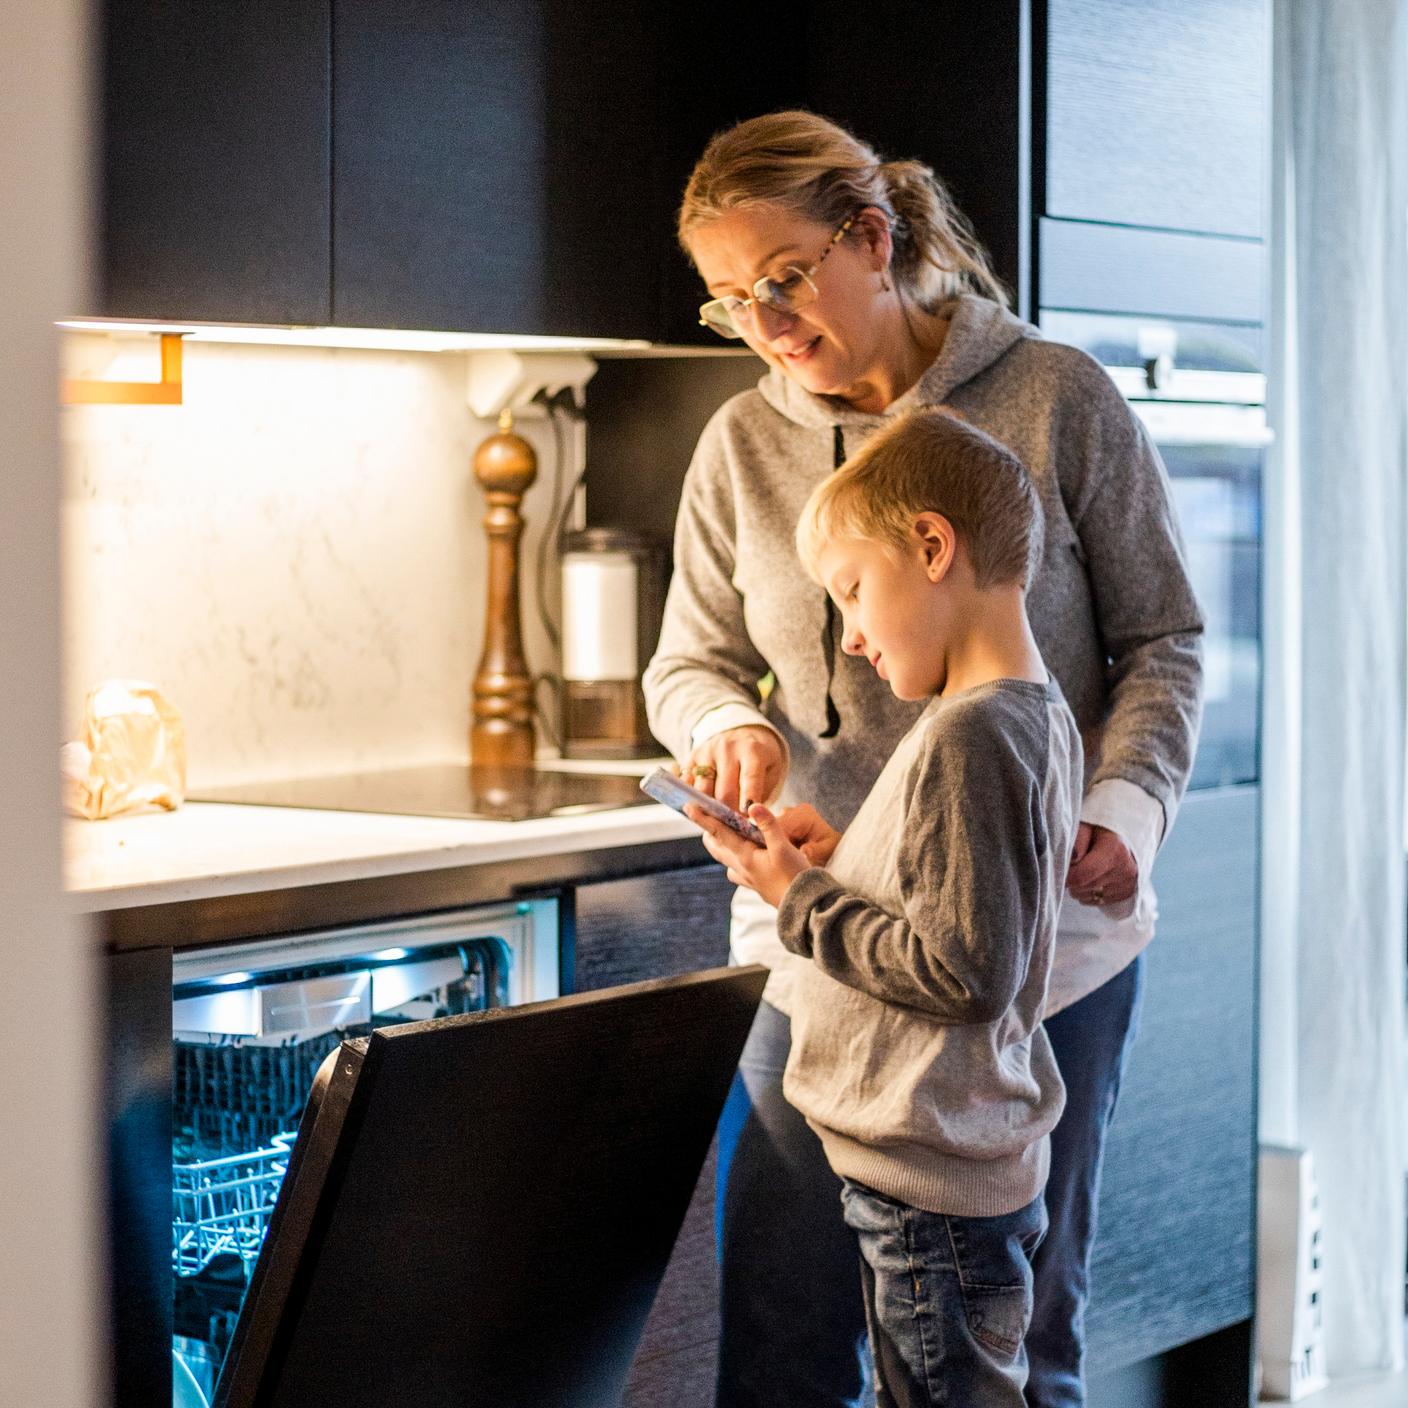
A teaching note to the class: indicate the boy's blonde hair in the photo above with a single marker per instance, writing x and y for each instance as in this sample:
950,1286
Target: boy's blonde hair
929,461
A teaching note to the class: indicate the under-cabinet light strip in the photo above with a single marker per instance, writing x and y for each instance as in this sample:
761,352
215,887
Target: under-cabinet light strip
380,339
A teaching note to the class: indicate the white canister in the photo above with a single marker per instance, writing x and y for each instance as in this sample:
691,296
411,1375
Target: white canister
613,593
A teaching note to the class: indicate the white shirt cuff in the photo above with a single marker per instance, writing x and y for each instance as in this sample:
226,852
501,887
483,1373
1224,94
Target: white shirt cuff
1138,820
726,716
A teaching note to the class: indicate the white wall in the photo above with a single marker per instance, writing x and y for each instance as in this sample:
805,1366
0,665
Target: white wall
50,1244
295,554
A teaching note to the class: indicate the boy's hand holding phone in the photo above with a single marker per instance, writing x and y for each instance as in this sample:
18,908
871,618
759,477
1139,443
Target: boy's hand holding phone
803,826
769,869
762,851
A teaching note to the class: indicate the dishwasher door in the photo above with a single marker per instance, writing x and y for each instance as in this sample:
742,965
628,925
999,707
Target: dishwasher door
252,1023
480,1209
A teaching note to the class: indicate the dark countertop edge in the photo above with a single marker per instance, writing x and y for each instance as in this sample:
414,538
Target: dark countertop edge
223,919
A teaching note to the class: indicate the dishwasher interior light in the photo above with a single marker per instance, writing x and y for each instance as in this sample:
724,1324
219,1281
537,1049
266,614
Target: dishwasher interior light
229,980
390,955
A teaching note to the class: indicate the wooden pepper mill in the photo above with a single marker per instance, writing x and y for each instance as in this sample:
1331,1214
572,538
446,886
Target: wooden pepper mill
501,733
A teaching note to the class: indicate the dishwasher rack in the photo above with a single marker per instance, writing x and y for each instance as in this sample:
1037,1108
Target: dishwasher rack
230,1098
222,1206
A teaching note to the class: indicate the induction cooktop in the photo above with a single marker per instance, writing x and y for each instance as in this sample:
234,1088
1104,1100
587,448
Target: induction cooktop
448,790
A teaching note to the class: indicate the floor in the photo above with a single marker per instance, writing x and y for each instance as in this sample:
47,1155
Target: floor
1386,1392
1382,1391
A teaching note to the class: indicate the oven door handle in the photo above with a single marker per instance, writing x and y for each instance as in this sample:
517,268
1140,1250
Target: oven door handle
1202,423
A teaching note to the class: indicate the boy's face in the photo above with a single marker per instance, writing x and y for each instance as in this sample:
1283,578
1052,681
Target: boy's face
890,608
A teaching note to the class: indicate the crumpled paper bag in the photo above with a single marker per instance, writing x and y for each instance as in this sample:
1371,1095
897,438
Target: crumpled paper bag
132,753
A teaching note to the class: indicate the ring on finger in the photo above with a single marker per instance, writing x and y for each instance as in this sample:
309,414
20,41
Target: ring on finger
703,770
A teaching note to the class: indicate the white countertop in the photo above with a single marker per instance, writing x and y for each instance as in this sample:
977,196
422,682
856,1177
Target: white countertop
204,849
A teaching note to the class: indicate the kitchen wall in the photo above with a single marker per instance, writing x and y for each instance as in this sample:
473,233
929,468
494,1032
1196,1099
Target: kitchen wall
294,554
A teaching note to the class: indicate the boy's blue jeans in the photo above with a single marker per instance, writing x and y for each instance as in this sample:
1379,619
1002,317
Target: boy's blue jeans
948,1300
792,1319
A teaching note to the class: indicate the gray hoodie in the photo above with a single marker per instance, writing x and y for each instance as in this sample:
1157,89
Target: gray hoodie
1111,604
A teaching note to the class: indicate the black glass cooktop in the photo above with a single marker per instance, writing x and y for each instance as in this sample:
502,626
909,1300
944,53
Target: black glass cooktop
499,794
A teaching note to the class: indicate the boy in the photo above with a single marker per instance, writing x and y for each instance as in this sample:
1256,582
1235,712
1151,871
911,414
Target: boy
918,1054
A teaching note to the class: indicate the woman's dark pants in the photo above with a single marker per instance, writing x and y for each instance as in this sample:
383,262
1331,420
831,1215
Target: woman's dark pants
1091,1039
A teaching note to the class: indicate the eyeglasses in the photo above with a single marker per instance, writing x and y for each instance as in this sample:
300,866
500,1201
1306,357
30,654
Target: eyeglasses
785,292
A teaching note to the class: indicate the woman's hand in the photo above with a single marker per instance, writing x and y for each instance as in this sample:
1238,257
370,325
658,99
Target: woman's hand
739,766
805,829
767,869
1103,869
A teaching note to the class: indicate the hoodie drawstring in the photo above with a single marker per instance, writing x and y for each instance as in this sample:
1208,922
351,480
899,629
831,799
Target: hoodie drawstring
828,636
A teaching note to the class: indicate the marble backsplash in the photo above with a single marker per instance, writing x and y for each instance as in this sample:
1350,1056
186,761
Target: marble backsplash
294,556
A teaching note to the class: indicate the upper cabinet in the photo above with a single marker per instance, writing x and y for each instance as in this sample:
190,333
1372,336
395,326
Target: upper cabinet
480,167
947,82
1111,154
215,198
514,166
1156,115
495,166
1153,135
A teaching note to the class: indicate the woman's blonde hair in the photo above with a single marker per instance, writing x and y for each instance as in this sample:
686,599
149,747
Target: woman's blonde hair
929,461
814,167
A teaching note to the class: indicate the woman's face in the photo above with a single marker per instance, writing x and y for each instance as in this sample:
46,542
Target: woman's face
833,345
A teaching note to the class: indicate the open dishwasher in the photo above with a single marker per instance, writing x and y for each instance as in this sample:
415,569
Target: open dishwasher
251,1025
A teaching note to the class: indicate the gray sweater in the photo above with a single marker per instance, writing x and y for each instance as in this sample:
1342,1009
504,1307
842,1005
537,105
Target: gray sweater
1111,605
918,1053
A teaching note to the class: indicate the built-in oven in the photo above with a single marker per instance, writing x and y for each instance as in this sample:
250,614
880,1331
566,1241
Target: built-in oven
251,1024
1200,391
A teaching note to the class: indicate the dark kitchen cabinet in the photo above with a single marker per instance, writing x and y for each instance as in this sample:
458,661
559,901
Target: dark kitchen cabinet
484,167
942,80
1157,115
656,926
1110,154
493,166
516,167
1174,1261
214,201
1152,173
947,83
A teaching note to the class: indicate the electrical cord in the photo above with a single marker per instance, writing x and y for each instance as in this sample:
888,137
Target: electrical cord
547,720
560,527
560,407
540,574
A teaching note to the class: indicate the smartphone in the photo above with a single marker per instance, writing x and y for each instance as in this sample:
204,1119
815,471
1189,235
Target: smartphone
675,792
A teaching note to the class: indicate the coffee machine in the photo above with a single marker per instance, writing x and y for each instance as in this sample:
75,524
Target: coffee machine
613,597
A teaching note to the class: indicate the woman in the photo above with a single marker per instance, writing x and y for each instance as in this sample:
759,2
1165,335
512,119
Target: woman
860,286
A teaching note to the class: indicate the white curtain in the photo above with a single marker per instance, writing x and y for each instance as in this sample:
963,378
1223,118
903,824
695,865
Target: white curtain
1337,636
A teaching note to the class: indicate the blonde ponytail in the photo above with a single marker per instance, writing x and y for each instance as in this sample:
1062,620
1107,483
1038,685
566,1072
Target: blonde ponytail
937,255
815,168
